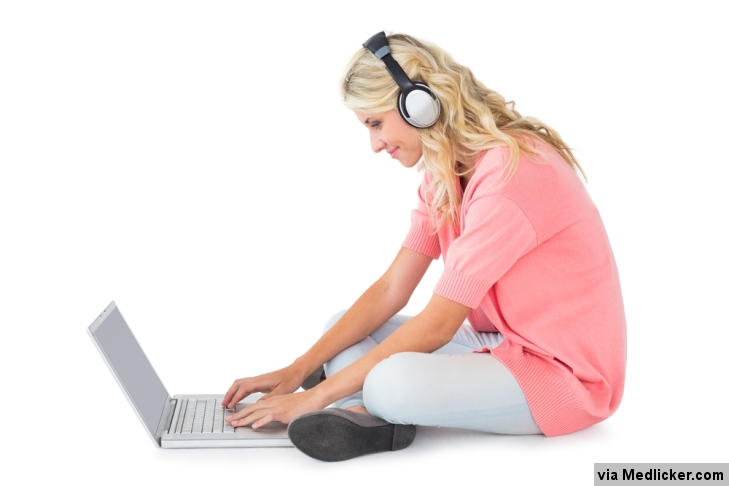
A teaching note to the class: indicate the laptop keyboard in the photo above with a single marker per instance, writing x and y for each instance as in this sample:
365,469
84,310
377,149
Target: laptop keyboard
201,416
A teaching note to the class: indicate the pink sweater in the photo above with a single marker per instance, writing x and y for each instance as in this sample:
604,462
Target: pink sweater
533,261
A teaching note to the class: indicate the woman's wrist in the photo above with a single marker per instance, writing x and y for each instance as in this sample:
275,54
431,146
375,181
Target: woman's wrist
323,394
303,367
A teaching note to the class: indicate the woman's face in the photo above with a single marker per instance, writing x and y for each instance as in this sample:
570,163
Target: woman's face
389,132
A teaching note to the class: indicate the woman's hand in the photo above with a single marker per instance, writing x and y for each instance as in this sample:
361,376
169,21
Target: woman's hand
279,382
283,408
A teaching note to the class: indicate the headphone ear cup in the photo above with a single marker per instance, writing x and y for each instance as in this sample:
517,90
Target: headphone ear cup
400,104
421,106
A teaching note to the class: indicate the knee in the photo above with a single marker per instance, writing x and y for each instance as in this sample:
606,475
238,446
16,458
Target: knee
385,389
333,320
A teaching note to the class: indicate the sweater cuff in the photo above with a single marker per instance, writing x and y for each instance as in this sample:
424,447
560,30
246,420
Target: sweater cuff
419,240
461,288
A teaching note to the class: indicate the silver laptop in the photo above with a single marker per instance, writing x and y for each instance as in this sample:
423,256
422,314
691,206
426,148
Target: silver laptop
182,421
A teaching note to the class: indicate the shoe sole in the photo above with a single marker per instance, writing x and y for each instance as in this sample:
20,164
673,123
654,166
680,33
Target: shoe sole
332,438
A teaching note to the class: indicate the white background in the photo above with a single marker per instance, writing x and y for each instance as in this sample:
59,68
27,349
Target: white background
193,162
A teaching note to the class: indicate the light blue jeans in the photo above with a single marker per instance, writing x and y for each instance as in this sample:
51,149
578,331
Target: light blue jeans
451,387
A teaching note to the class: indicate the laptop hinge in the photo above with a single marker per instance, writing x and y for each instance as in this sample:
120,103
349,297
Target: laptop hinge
164,424
170,414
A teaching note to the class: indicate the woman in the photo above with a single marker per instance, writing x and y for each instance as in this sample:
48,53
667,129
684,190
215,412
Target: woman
527,262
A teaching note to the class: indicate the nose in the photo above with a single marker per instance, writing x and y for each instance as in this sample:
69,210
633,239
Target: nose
376,142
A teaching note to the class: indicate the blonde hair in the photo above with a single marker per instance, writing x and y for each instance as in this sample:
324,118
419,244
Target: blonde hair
473,117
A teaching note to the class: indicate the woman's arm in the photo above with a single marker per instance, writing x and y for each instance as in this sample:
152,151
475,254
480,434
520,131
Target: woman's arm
379,303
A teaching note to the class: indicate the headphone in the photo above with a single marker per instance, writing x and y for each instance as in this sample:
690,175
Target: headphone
417,104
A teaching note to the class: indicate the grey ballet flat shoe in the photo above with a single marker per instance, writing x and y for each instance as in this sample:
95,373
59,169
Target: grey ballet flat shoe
334,434
314,379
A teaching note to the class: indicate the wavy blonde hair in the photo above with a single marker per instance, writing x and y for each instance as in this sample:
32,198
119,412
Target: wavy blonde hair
473,117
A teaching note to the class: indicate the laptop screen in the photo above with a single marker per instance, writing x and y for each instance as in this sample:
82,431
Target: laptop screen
133,370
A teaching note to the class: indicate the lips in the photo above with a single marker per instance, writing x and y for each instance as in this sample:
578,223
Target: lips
394,152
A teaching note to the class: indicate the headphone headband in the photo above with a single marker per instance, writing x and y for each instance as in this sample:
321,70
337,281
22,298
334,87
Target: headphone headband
377,44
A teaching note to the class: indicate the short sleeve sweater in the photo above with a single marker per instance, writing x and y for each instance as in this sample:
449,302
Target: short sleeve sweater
533,261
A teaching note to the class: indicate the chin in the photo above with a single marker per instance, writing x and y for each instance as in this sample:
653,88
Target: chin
409,163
